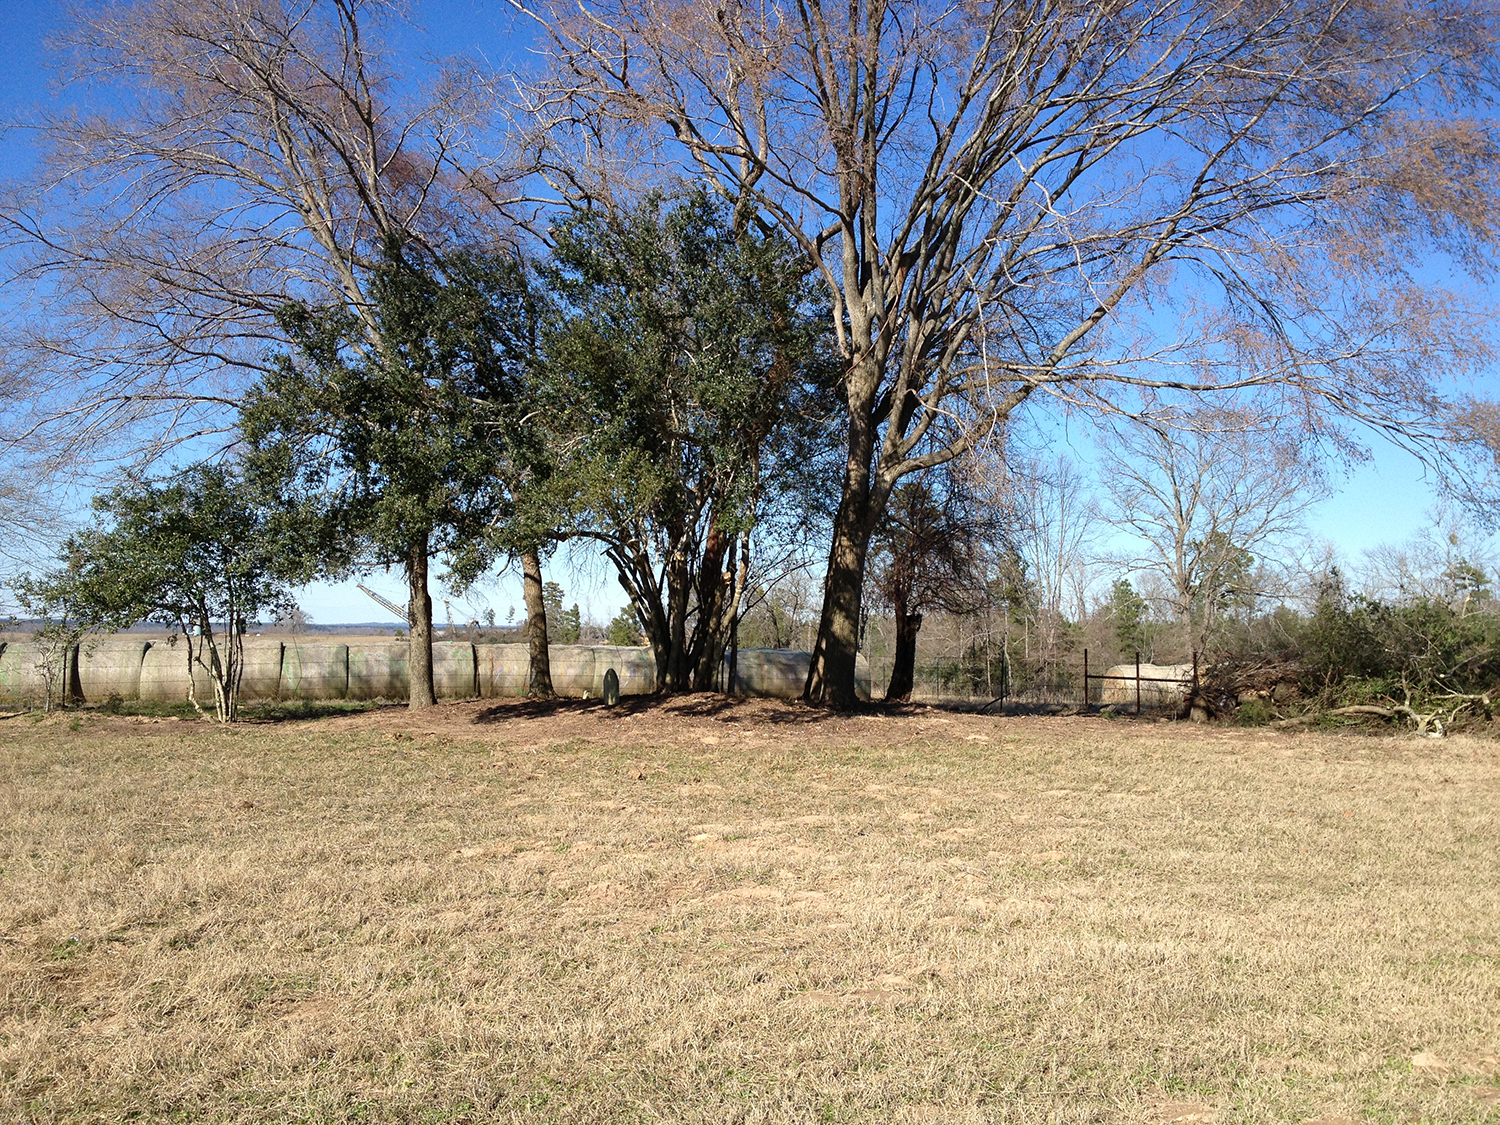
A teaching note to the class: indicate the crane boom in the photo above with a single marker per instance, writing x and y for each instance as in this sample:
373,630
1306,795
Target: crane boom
390,606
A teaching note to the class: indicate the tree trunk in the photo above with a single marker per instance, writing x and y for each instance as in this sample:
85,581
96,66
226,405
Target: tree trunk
536,626
679,594
903,671
707,647
830,677
419,609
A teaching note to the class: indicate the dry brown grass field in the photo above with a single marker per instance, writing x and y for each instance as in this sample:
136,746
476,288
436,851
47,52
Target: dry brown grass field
744,913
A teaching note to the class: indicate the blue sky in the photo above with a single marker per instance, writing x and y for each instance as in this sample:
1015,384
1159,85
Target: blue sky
1387,499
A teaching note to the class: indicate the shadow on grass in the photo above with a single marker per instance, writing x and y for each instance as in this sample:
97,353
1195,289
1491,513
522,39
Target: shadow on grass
295,709
275,711
711,705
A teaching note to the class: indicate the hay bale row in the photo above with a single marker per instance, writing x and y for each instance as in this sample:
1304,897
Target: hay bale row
164,675
158,670
636,668
776,673
23,676
504,671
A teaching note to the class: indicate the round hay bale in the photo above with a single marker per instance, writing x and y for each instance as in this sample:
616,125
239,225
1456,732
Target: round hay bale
781,673
771,673
377,670
1162,685
23,675
636,668
261,675
164,673
314,671
453,670
504,671
111,667
573,671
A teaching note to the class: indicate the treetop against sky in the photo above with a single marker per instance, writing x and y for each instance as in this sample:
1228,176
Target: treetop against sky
1383,499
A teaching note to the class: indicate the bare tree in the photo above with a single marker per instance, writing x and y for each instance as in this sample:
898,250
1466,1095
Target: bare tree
257,152
1053,518
929,552
30,524
1212,504
247,154
1450,560
1081,204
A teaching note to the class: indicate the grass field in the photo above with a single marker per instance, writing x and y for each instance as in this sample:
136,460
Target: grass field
746,913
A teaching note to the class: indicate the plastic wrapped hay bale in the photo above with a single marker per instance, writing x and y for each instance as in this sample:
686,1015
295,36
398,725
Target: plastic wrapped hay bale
261,675
780,673
314,671
165,677
504,671
635,666
573,670
453,673
23,673
110,668
1162,685
377,670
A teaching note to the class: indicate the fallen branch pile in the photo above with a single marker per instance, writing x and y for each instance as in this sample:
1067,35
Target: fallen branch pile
1434,722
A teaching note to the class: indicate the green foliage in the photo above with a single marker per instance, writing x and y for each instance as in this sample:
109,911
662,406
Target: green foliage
1228,580
197,554
564,626
53,602
1439,655
692,352
691,381
623,629
1423,645
1130,618
1254,713
400,427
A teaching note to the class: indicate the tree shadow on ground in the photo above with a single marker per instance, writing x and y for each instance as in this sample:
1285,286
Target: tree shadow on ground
701,705
296,710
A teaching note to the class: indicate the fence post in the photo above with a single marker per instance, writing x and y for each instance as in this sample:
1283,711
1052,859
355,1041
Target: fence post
1137,682
1085,677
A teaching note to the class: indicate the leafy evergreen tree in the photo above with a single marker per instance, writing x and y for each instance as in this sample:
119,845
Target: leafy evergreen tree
1130,617
390,455
623,629
197,554
691,380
